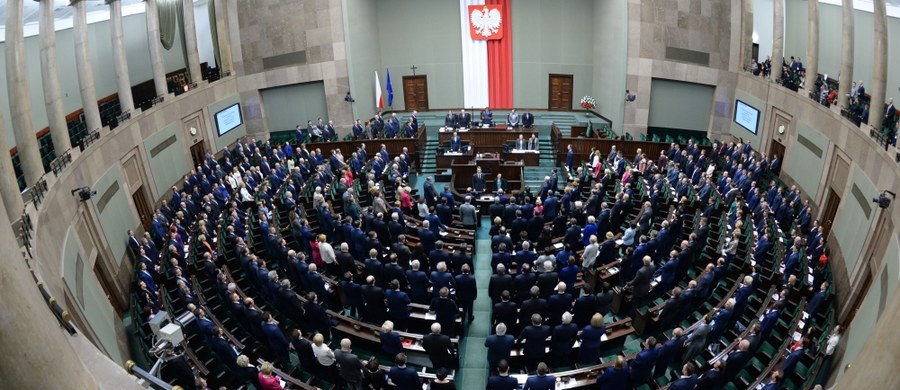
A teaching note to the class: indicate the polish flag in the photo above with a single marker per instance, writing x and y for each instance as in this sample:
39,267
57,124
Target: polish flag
379,101
486,53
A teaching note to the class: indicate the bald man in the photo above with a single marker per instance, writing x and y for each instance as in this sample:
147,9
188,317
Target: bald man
439,348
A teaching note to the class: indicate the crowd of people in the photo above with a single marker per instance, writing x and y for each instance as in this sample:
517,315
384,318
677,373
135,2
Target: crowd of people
349,222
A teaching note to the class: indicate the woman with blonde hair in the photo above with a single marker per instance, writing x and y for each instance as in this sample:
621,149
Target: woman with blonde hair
267,380
325,357
390,341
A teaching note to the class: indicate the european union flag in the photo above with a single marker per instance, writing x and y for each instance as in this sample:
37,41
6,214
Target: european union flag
390,89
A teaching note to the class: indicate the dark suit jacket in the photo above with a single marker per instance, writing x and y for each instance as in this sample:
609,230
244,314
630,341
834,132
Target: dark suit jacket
439,349
499,283
405,377
684,383
465,287
498,348
535,339
614,379
350,366
497,382
538,382
505,312
641,281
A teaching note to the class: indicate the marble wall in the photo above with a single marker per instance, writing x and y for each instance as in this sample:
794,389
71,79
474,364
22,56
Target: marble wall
272,28
703,27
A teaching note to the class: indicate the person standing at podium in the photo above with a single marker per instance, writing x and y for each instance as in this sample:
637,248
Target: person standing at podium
512,120
478,182
450,120
527,120
464,119
500,184
521,144
487,117
455,142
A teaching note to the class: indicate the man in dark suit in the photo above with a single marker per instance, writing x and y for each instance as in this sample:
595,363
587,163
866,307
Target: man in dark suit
418,283
464,119
500,281
466,292
446,311
790,362
455,142
374,298
687,380
640,284
478,182
816,301
224,350
736,361
505,312
450,121
532,306
397,305
670,353
562,339
541,381
527,120
712,378
404,377
351,368
642,366
439,348
276,341
534,337
502,381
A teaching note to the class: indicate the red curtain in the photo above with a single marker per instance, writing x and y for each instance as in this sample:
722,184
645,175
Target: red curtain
499,54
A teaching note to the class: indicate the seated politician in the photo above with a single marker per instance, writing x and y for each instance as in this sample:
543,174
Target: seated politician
464,119
527,120
512,120
450,120
487,117
521,143
455,142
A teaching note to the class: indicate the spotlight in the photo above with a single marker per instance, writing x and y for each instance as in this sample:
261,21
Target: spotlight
883,201
84,193
629,97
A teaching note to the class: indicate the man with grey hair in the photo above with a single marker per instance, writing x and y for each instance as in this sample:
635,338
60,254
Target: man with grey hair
351,368
467,213
562,339
439,348
498,345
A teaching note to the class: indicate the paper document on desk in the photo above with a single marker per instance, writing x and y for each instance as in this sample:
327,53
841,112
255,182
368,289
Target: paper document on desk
430,316
558,245
444,233
612,270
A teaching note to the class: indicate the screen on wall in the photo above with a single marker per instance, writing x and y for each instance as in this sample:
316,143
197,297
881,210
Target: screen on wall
228,119
746,116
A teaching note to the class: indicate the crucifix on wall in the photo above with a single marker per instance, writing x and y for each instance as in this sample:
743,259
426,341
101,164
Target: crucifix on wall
414,69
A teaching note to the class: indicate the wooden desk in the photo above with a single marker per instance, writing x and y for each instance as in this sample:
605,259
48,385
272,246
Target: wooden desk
463,172
445,160
530,159
490,140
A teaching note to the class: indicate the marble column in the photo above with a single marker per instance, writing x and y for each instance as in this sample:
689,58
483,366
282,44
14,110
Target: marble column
746,33
9,189
812,46
777,38
879,65
25,316
224,37
56,116
17,89
156,58
117,34
84,68
846,76
190,42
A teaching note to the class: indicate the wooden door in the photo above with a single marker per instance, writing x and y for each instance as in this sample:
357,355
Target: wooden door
415,92
777,149
198,153
560,92
108,290
145,213
830,210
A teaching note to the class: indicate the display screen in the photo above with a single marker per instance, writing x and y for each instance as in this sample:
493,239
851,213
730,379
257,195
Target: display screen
229,119
746,116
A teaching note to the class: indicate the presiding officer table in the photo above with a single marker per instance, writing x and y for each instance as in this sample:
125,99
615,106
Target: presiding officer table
486,139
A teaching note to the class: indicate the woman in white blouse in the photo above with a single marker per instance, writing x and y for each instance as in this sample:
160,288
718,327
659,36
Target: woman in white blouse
325,357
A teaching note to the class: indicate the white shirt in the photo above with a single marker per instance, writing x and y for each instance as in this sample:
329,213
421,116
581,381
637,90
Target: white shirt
324,354
327,252
423,209
245,195
831,344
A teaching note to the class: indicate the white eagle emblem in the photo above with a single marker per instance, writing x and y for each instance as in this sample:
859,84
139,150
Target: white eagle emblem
486,22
